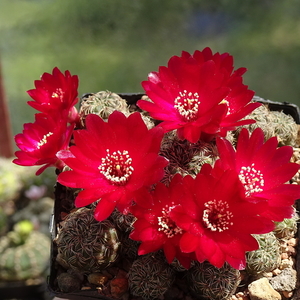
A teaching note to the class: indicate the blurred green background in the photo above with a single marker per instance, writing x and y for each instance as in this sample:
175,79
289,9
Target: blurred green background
114,44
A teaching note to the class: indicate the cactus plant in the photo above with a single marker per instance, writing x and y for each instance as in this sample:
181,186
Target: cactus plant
86,245
150,276
274,123
3,221
24,253
209,282
267,257
185,157
287,228
102,104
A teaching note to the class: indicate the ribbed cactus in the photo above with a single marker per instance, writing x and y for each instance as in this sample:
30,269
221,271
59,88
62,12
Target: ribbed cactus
85,244
209,282
3,221
102,104
24,253
38,212
274,123
287,228
185,157
267,257
150,276
10,181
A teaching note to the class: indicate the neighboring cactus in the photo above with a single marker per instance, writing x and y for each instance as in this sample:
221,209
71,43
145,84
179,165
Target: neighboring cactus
122,221
209,282
38,212
287,228
24,253
185,157
10,181
85,244
102,104
274,123
267,257
150,276
3,221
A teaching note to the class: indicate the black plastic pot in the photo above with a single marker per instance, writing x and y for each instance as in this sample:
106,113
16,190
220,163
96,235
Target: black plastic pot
60,206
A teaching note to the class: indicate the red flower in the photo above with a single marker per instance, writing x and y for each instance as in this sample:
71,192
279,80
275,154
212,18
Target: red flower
114,161
263,170
155,228
218,223
41,140
56,94
199,95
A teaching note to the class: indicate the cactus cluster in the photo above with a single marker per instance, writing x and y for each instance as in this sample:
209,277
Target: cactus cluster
150,276
287,228
185,157
24,253
209,282
267,257
86,245
274,123
102,104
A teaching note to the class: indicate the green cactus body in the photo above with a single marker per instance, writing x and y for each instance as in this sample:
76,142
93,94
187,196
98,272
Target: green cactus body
102,104
85,244
28,260
209,282
267,257
150,276
287,228
185,157
3,221
274,123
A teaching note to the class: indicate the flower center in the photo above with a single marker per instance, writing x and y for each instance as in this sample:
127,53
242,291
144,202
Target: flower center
59,93
216,216
252,179
116,167
224,101
166,224
43,141
187,105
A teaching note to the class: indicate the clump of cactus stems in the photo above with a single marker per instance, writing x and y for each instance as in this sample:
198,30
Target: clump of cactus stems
11,181
287,228
185,157
102,104
267,257
24,253
209,282
3,221
86,245
274,123
150,276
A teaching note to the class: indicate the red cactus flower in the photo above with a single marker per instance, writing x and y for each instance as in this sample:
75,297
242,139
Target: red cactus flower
55,94
217,223
113,161
153,225
41,140
264,171
199,95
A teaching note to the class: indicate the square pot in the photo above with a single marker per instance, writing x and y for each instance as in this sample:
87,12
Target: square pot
64,204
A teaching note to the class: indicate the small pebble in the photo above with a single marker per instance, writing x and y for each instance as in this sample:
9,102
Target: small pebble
286,263
118,287
292,242
276,272
292,251
287,294
97,278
